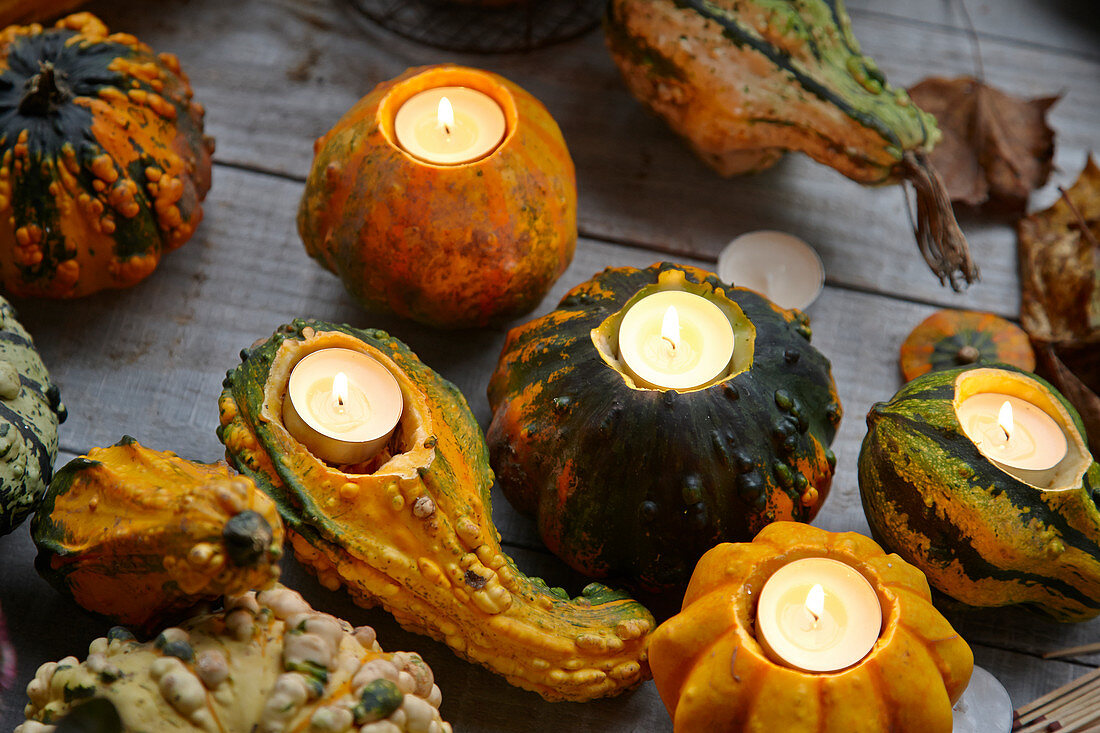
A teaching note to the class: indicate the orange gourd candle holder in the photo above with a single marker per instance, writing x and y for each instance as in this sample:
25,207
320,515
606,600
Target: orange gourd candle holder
713,674
448,245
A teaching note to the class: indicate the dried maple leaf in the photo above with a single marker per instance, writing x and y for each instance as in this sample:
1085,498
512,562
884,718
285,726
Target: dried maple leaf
996,148
1060,298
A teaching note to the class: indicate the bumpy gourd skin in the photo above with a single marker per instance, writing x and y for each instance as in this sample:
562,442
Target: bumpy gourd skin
30,410
640,482
141,536
713,675
268,663
103,162
451,246
981,535
416,535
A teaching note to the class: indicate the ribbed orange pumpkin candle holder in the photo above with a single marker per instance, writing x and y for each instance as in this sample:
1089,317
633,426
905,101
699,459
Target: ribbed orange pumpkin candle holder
713,674
448,245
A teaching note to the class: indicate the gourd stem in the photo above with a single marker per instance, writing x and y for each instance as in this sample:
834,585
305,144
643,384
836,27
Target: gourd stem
967,354
44,92
247,536
939,237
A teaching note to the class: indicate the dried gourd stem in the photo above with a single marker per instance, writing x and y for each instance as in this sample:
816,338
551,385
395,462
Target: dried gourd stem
45,92
941,241
1082,223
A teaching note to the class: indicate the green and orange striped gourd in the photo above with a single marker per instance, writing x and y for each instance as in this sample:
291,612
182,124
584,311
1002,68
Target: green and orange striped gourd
980,534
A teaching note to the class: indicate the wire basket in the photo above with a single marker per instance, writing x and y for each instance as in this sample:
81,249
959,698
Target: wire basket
519,25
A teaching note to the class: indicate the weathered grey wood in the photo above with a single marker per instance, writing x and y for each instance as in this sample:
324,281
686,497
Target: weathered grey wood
1064,26
1025,677
276,75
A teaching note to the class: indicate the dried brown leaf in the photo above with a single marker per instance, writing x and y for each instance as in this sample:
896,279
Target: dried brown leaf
996,148
1059,261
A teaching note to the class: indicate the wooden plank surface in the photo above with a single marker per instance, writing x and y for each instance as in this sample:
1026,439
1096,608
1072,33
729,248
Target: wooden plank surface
149,361
1064,27
276,75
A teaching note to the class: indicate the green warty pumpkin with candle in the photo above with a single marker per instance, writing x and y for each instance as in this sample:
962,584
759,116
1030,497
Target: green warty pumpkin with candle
639,483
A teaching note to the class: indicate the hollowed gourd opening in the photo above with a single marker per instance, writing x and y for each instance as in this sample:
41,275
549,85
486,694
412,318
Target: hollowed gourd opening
447,76
406,450
747,600
605,337
1069,472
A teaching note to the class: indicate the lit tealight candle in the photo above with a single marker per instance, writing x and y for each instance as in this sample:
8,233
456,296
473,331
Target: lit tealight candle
342,404
1015,434
674,339
449,125
818,615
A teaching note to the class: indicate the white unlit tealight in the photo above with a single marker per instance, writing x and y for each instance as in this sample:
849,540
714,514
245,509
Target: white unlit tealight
777,265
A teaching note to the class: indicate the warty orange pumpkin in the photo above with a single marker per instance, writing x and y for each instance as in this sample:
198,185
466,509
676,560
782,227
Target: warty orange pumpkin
103,161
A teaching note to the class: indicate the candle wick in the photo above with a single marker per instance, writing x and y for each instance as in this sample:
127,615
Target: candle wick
670,342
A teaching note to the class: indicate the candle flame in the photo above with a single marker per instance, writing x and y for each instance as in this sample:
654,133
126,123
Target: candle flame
1004,419
445,115
670,327
815,601
340,388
